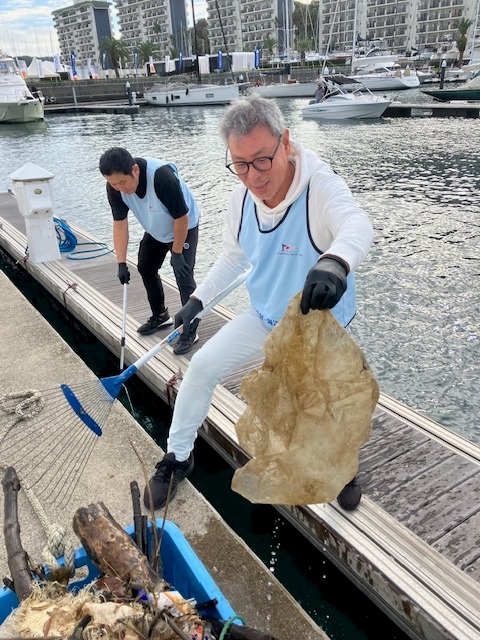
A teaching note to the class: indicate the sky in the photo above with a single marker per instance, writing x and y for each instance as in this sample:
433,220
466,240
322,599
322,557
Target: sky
26,26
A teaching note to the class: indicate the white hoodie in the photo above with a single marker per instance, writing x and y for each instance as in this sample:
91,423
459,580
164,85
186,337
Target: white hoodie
338,225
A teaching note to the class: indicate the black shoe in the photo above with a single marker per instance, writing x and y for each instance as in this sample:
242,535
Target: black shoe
349,496
159,483
185,343
155,323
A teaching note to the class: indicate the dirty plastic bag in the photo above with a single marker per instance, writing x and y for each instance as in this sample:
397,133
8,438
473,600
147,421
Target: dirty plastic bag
309,411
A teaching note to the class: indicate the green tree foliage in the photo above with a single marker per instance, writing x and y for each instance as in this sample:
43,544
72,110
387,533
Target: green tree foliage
305,22
117,52
269,45
147,49
463,26
203,42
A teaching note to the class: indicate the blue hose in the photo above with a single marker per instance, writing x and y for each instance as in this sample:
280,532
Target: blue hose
67,242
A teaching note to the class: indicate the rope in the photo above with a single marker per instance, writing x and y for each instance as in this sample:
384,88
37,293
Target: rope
56,546
228,624
67,242
171,384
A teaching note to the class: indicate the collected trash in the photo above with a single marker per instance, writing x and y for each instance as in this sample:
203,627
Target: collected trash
309,411
116,592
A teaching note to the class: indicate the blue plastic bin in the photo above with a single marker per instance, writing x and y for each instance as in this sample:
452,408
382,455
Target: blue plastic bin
181,568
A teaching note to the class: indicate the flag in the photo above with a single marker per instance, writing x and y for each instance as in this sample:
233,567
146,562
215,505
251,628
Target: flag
56,62
180,61
22,65
104,60
135,60
257,58
73,70
220,60
92,70
40,69
151,65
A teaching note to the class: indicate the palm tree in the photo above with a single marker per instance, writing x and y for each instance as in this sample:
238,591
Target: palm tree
146,50
463,26
116,50
270,43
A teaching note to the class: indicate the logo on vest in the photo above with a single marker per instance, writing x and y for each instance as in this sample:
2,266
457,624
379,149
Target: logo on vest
288,250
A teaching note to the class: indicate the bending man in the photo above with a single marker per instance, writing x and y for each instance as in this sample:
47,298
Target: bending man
166,209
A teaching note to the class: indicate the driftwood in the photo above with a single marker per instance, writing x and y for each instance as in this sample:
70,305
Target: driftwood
112,550
16,555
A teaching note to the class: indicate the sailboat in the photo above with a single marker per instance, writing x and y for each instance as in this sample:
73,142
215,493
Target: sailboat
180,94
268,88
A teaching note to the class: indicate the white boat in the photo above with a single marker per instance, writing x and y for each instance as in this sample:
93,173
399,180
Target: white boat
181,94
284,90
375,55
339,104
17,103
384,78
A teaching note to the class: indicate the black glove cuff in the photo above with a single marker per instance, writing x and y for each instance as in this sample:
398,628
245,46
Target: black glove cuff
341,262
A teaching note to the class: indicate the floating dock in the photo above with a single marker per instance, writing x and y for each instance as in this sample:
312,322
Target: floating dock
412,545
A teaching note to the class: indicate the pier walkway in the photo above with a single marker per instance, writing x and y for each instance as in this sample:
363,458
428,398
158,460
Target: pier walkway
413,545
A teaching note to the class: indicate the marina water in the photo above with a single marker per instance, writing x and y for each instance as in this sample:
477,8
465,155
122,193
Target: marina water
418,179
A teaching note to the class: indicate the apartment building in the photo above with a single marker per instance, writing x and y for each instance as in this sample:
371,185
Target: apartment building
245,24
163,22
400,24
80,27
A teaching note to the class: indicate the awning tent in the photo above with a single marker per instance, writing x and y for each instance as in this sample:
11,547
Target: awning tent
39,69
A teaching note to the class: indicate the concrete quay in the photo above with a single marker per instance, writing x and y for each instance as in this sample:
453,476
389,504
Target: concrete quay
33,355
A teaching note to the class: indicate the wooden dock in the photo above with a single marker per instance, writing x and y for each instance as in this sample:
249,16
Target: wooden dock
457,109
413,545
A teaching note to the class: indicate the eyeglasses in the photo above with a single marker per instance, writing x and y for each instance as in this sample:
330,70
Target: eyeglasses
260,164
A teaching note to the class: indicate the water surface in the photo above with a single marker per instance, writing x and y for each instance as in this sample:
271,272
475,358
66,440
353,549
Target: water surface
418,179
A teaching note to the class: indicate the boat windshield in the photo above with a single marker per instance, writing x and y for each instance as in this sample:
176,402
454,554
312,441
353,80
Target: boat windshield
7,66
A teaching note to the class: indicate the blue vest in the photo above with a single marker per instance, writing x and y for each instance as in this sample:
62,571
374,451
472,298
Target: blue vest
281,258
151,213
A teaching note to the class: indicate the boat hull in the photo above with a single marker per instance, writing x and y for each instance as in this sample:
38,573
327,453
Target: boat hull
192,96
292,90
22,111
446,95
333,109
388,83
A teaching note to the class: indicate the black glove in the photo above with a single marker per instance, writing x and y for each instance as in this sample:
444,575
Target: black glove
325,284
123,273
187,313
179,264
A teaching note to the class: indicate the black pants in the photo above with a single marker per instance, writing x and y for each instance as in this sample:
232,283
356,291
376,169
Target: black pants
151,256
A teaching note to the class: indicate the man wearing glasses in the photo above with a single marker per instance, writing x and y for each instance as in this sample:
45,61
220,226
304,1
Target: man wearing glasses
295,223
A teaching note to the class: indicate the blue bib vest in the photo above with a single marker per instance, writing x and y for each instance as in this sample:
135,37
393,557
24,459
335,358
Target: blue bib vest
281,259
151,213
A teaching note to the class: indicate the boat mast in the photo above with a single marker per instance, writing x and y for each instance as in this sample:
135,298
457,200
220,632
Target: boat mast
475,26
224,40
354,43
197,65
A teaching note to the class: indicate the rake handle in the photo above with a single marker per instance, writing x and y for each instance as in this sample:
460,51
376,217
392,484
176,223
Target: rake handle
133,368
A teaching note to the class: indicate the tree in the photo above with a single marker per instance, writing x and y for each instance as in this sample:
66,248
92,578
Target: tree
463,26
146,50
157,28
201,28
116,50
269,44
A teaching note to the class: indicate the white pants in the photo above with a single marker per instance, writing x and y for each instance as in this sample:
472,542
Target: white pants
237,341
